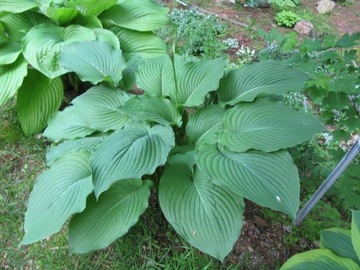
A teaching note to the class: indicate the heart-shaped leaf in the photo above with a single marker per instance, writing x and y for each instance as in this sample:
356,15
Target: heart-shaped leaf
17,25
58,193
266,126
156,76
10,51
110,217
38,98
339,241
207,216
43,44
17,6
135,16
268,179
195,79
99,108
319,259
93,7
66,125
130,152
204,125
144,44
107,36
88,144
152,109
87,21
11,78
93,61
259,79
60,14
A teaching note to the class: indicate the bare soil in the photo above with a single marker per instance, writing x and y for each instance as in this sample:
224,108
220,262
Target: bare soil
344,18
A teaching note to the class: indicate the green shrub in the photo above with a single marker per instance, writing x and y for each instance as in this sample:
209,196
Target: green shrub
198,34
287,18
203,138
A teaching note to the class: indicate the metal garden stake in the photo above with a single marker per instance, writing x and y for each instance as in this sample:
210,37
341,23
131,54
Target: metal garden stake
329,181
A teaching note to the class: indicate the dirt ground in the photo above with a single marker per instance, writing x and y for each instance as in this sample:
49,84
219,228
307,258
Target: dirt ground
345,18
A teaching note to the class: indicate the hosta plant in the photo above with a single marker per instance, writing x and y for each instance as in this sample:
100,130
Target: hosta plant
204,138
33,34
339,249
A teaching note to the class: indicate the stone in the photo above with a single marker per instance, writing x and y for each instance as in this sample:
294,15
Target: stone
324,6
303,27
225,2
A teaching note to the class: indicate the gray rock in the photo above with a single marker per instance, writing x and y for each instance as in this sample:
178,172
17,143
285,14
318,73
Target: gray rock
303,27
225,2
324,6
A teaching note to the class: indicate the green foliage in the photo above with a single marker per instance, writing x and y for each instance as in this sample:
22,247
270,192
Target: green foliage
198,34
59,37
287,18
284,3
180,136
333,67
339,249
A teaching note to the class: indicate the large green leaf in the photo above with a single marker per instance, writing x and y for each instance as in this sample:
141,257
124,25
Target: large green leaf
156,76
43,44
144,44
152,109
17,25
9,51
99,109
130,152
355,231
259,79
87,21
93,7
17,6
267,126
204,125
195,79
339,242
268,179
207,216
60,14
11,78
110,217
66,125
58,193
38,98
88,144
319,259
93,61
135,16
107,36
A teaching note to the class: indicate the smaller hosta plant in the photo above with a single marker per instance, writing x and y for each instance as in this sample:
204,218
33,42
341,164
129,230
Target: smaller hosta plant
284,3
287,18
218,138
339,249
